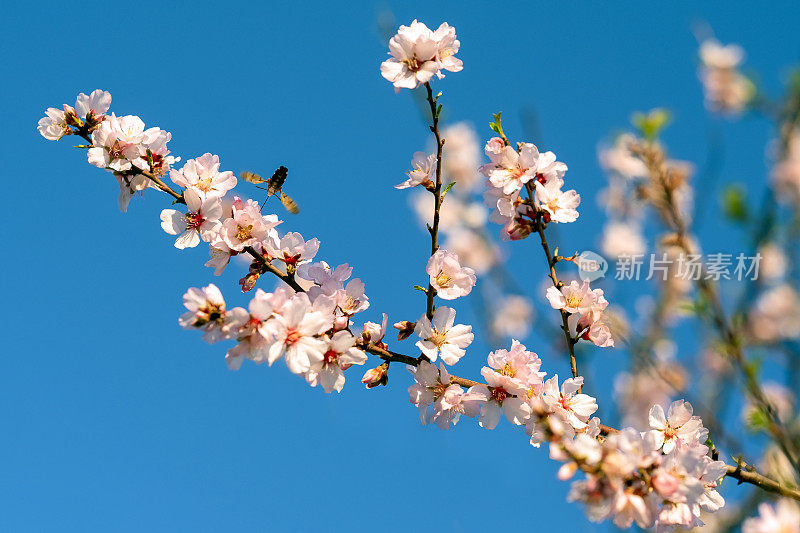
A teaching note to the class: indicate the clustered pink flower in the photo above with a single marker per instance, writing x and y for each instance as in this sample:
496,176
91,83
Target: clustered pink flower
661,477
310,330
585,306
513,174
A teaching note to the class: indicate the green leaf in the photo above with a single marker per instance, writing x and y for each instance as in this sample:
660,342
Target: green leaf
757,420
448,187
651,124
419,288
497,125
734,203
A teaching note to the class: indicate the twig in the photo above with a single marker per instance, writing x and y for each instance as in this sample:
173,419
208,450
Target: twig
437,191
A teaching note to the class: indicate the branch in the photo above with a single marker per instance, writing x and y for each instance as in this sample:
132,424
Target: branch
437,190
653,157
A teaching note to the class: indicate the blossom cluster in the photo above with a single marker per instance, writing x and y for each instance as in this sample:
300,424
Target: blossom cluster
120,145
310,330
585,307
540,175
659,473
663,476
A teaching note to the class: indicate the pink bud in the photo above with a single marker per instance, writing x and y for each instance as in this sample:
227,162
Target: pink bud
405,329
376,376
340,323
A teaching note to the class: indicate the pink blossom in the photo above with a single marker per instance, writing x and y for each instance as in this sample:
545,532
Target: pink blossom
678,425
440,336
202,174
207,312
423,167
201,222
418,54
571,406
448,277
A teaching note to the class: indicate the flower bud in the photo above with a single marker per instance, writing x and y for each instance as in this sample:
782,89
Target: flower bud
249,281
376,376
71,118
341,322
405,329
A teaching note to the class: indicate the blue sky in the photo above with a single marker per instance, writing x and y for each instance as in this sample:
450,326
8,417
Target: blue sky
116,420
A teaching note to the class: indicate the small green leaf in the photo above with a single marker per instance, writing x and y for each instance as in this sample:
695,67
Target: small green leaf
448,187
757,420
419,288
734,204
652,123
497,125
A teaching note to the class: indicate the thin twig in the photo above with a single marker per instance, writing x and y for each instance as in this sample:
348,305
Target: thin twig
437,191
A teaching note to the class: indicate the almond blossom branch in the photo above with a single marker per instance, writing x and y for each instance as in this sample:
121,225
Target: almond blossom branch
437,188
551,263
664,183
747,474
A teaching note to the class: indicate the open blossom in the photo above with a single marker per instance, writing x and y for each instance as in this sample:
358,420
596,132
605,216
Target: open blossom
295,335
93,107
202,174
322,274
571,406
502,395
119,143
577,298
54,125
251,344
418,54
783,517
422,171
440,337
518,365
340,355
351,299
247,226
293,250
559,206
206,311
677,425
432,387
89,109
448,277
593,328
201,222
427,387
509,170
